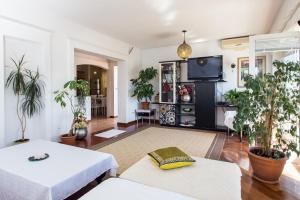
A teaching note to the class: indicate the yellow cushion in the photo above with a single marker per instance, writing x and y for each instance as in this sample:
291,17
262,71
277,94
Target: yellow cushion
170,158
172,165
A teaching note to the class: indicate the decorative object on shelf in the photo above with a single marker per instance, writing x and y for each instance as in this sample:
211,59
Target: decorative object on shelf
243,68
39,157
184,93
187,109
167,114
166,87
80,126
29,89
186,98
188,123
184,50
156,98
61,96
271,108
143,89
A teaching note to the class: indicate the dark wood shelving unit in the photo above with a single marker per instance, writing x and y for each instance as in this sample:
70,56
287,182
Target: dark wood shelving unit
202,102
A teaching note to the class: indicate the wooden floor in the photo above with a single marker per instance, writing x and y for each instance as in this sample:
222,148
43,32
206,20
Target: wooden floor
226,149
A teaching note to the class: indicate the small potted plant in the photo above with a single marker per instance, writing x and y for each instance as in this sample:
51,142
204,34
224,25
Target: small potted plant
29,89
68,94
143,89
232,96
270,107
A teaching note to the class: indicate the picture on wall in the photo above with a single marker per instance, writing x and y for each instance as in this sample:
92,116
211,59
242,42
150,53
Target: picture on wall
243,68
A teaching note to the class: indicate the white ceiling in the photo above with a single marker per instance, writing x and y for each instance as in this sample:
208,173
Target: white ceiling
155,23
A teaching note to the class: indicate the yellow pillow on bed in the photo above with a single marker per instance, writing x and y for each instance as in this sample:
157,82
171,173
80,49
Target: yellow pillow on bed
170,158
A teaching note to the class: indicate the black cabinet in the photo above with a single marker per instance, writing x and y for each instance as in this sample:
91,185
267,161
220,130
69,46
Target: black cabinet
205,105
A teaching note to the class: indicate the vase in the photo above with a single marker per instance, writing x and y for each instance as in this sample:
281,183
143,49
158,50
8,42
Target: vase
186,98
81,133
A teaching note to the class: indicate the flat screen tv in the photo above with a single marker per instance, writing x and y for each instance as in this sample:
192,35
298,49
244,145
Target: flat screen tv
205,68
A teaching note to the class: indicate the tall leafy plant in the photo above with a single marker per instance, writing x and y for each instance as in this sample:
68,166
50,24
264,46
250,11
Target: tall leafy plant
270,106
143,89
67,94
28,87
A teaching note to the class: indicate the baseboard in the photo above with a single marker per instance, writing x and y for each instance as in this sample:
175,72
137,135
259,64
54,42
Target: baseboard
113,116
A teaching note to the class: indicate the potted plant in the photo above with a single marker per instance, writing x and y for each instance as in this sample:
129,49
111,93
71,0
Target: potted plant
29,89
80,126
270,106
143,89
232,96
68,94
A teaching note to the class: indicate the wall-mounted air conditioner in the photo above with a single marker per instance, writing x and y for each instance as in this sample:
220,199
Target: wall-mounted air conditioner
239,43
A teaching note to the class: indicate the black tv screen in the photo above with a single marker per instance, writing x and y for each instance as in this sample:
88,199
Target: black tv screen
205,68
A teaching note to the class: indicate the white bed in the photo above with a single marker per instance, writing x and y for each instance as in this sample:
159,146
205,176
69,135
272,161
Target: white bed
205,179
116,189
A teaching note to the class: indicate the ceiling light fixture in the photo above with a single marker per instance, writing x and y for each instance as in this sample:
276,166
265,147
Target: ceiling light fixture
184,50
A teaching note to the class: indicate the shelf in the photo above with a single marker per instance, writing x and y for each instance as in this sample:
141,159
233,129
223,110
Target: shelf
187,126
186,114
191,104
185,82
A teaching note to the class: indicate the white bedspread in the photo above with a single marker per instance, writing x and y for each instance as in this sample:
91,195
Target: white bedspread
206,179
120,189
67,170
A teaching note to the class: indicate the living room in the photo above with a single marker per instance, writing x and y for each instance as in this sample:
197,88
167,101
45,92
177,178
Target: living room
181,72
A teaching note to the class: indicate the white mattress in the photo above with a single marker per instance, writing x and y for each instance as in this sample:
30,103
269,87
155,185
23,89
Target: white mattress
116,189
206,179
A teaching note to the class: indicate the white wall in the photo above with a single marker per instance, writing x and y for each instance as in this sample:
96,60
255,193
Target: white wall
151,57
56,40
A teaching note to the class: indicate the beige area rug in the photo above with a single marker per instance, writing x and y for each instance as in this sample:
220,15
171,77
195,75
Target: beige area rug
131,149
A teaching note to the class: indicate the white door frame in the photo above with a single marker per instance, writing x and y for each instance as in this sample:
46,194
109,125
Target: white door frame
122,63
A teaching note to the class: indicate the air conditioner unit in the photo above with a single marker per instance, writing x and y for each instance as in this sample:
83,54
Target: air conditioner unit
239,43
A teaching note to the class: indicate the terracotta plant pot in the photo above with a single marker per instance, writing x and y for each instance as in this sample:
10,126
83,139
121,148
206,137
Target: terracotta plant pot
145,105
265,169
68,139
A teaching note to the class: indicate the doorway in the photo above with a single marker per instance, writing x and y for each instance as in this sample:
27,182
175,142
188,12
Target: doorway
101,74
97,77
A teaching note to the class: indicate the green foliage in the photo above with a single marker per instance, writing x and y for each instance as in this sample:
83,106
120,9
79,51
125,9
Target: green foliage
143,89
232,96
29,88
70,87
271,107
16,77
33,92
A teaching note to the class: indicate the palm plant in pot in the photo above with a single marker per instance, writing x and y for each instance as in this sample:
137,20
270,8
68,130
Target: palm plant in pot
29,89
143,89
67,94
270,106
